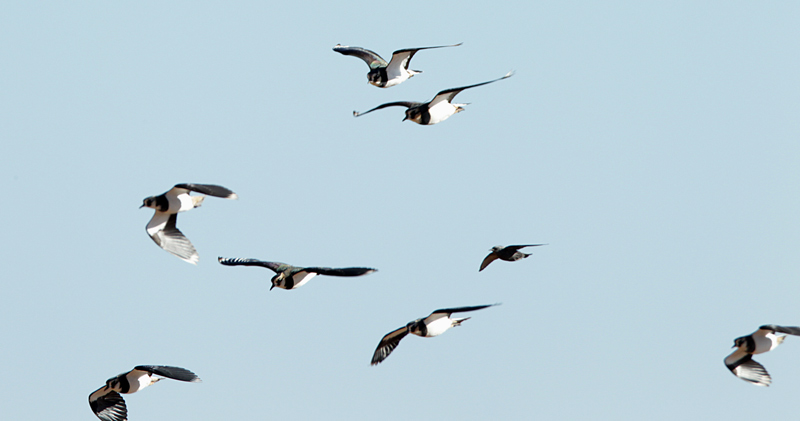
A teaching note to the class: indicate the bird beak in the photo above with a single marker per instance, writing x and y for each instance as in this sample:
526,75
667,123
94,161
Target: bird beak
405,118
273,286
141,206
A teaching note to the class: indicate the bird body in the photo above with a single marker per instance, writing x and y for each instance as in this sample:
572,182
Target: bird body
741,362
106,401
381,73
435,324
439,109
292,277
162,226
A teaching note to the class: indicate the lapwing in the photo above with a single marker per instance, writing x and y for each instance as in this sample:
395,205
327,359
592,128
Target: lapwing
434,325
106,401
435,111
161,227
507,253
292,277
381,73
741,362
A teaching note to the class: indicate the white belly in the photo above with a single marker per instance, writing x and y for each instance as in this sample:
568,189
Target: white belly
441,111
139,382
766,343
439,326
396,76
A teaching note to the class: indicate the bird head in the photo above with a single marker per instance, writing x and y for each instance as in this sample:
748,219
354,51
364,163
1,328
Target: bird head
148,202
277,280
374,78
739,342
413,114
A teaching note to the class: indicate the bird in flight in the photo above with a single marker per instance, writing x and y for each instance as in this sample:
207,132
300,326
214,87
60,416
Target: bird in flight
741,362
507,253
106,401
161,227
381,73
434,325
439,109
292,277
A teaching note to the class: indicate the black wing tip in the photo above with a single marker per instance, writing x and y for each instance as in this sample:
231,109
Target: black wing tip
356,113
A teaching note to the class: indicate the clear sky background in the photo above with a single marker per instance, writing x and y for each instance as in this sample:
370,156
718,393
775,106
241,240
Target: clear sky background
654,146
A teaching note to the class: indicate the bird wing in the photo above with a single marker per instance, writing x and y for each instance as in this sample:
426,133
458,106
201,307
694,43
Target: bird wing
446,312
340,271
789,330
209,189
406,104
388,344
108,406
742,365
372,58
236,261
175,373
488,259
449,94
515,248
401,58
163,231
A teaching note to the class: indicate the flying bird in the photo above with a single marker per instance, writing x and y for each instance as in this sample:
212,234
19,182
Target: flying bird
381,73
161,227
106,401
435,111
292,277
507,253
741,362
434,325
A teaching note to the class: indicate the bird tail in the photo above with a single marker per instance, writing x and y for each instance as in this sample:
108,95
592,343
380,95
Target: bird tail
781,339
413,72
197,200
457,322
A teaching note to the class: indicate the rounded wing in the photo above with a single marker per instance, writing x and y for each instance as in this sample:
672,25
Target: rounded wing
236,261
488,259
401,58
174,373
388,344
163,231
389,104
341,271
449,94
209,189
372,58
109,406
449,311
741,364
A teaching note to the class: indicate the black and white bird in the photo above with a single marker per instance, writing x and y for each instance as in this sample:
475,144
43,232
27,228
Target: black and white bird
741,362
381,73
507,253
434,325
435,111
291,277
161,227
106,401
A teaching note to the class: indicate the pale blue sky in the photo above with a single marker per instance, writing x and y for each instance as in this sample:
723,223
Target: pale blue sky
654,146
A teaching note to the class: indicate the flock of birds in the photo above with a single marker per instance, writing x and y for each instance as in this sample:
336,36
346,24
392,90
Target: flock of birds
108,404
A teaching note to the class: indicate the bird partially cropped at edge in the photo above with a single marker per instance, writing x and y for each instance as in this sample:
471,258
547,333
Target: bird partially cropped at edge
507,253
741,362
106,401
292,277
435,324
161,227
437,110
381,73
